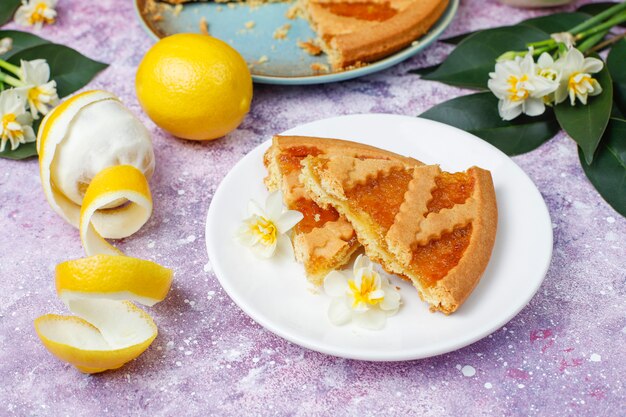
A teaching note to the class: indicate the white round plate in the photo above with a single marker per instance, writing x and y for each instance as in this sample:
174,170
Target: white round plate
276,294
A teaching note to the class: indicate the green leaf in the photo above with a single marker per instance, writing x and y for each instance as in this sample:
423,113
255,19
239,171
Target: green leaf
27,150
471,62
21,41
424,70
596,8
7,8
616,63
557,22
68,67
478,114
586,123
455,40
607,172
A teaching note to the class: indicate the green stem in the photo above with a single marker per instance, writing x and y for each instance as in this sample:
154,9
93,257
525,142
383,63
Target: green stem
598,18
547,42
603,27
591,41
12,81
10,67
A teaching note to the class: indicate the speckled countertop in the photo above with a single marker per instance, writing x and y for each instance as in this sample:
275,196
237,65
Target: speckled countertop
563,355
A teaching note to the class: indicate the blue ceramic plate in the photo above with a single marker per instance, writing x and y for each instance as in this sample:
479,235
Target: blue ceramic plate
286,62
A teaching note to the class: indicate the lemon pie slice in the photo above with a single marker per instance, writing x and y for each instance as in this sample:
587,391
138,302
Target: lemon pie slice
324,240
432,227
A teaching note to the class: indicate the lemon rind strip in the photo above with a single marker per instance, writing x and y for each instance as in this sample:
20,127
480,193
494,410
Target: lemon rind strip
109,185
50,134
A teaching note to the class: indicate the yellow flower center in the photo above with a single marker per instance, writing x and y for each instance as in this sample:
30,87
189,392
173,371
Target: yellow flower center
38,14
33,94
549,74
517,92
6,120
363,294
579,82
265,229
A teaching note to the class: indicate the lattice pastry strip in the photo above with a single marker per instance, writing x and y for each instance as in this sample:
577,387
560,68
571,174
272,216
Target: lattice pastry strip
444,222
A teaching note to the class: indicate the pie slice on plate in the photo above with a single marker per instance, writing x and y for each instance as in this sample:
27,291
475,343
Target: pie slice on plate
324,240
432,227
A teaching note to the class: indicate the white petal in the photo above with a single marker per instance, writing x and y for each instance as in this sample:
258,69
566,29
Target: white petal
592,65
274,205
545,60
361,262
338,312
597,88
560,95
377,294
372,319
255,209
509,110
391,300
264,251
335,284
534,106
287,220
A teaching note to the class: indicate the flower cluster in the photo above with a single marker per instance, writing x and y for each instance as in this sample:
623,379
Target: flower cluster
32,94
525,86
36,13
367,298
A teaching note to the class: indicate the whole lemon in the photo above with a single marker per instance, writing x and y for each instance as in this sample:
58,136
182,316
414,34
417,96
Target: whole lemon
194,86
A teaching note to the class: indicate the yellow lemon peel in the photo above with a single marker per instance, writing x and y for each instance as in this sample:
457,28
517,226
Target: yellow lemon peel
108,329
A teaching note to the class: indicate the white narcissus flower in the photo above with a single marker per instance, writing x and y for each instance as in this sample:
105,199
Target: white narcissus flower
368,298
576,79
15,122
263,230
519,87
42,93
36,13
6,44
548,69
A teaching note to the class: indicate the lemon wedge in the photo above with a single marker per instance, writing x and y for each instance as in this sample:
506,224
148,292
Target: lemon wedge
108,329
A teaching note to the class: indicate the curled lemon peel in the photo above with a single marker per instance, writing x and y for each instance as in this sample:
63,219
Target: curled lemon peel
113,201
108,330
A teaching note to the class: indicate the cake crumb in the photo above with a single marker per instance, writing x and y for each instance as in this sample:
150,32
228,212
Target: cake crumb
250,24
157,17
292,12
263,59
177,9
204,26
281,32
311,47
319,67
317,217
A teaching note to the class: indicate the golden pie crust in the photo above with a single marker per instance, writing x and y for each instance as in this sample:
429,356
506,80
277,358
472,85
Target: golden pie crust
435,228
324,240
356,32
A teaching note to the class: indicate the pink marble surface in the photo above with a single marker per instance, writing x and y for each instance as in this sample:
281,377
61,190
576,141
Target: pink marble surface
563,355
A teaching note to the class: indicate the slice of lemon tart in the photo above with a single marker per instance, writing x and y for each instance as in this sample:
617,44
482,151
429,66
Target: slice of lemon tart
356,32
324,240
432,227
